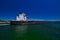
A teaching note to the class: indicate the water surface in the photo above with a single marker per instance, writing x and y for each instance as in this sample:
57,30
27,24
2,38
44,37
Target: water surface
49,31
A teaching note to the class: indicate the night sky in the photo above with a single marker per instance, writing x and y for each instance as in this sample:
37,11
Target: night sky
34,9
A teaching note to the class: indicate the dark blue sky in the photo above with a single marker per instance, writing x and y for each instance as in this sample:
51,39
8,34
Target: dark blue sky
35,9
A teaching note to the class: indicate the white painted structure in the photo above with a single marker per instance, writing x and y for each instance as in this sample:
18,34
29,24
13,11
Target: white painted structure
21,17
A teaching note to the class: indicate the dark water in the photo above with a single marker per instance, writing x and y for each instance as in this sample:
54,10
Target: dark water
49,31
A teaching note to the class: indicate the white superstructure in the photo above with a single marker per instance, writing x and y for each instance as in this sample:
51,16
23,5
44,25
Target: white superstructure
21,17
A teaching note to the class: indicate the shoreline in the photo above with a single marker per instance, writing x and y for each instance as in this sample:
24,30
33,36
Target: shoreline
26,22
4,22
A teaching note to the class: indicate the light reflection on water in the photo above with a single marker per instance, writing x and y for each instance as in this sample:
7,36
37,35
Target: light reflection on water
20,31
